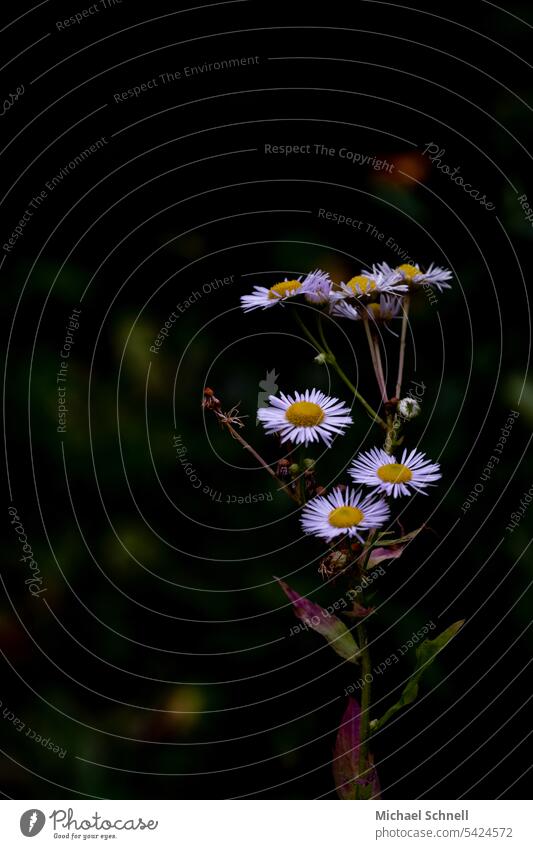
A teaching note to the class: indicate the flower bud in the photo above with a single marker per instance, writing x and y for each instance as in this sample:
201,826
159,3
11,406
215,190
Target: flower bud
338,559
308,463
294,468
408,408
335,562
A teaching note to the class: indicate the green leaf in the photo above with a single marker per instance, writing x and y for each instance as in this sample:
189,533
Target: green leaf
320,620
405,538
426,653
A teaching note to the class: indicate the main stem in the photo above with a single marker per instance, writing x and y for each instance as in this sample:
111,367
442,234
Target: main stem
364,724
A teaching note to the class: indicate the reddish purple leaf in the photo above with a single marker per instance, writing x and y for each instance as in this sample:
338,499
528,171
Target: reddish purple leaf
380,554
346,757
329,626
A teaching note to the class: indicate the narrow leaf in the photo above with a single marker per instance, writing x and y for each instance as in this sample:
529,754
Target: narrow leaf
426,653
381,540
390,549
320,620
346,757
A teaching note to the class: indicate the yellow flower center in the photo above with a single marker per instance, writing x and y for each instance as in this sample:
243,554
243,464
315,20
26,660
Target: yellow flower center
361,284
394,473
345,517
375,309
408,271
304,414
281,290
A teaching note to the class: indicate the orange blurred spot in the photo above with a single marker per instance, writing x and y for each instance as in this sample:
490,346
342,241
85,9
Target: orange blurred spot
414,166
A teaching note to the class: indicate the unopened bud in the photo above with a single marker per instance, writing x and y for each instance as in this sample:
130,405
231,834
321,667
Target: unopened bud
308,463
294,468
408,408
338,559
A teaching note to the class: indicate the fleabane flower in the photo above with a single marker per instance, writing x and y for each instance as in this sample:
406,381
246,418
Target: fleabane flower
413,275
305,417
263,298
316,287
385,309
371,283
345,512
382,471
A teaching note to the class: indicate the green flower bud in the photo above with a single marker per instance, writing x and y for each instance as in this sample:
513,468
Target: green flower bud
408,408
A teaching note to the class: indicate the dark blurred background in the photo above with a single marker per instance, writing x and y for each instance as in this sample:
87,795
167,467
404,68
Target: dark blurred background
157,657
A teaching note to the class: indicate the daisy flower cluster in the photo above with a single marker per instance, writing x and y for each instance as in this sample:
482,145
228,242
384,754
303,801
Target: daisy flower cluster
351,517
350,512
374,294
311,416
378,294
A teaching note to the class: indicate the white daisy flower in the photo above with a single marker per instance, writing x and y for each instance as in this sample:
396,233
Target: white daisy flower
344,512
342,308
378,469
386,308
317,287
435,276
265,298
307,417
373,282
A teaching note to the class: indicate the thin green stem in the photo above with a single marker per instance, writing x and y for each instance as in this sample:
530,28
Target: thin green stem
308,333
321,333
344,377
